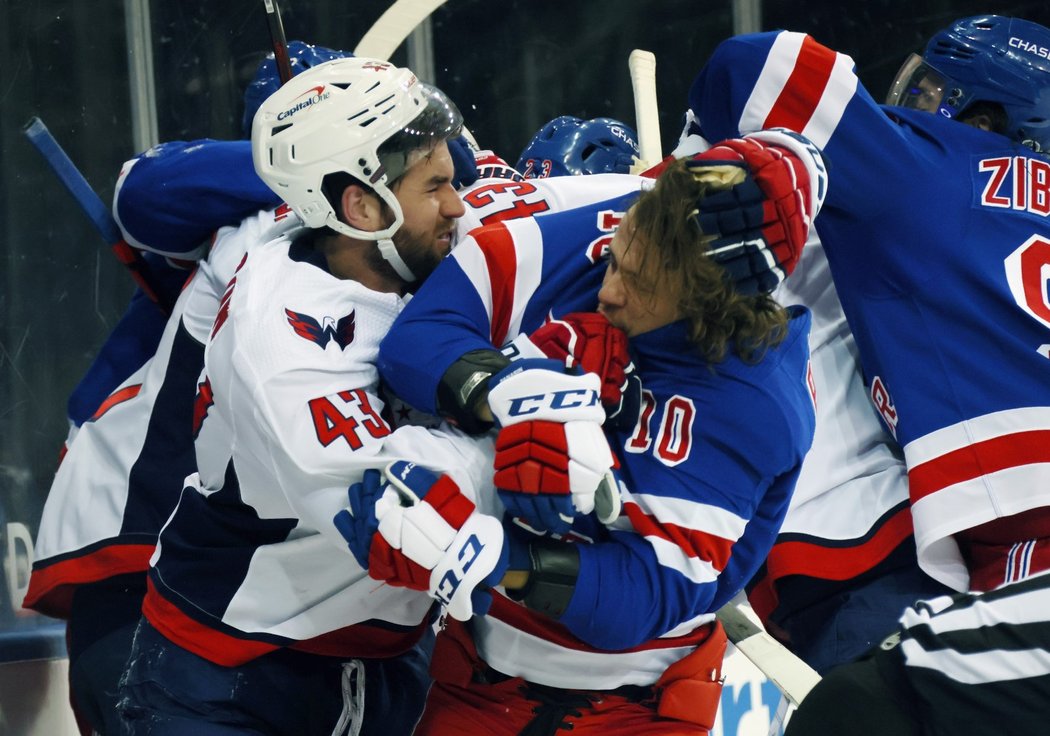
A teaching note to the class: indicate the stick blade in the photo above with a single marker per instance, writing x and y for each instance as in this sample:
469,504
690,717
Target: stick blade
784,669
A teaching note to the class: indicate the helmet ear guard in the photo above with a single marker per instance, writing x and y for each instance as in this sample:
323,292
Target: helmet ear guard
989,58
569,146
362,117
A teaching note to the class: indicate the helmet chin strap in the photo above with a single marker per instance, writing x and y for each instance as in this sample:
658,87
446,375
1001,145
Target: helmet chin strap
388,250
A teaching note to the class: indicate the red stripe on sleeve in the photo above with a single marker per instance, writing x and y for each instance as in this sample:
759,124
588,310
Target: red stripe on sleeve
117,397
801,95
497,246
980,458
544,627
694,543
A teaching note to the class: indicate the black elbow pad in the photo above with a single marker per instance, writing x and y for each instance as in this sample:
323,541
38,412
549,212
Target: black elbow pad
465,386
554,568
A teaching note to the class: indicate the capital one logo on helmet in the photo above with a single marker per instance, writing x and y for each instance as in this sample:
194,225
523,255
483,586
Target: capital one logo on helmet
316,94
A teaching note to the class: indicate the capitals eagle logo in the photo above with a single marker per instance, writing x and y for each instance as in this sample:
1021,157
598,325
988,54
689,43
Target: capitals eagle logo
320,333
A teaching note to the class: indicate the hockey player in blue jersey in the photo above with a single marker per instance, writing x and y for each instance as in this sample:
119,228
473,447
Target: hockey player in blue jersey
928,300
617,617
924,295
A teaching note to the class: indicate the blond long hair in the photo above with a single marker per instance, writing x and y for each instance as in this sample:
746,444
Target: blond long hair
718,315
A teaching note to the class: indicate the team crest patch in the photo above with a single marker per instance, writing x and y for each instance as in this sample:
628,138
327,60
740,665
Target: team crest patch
321,332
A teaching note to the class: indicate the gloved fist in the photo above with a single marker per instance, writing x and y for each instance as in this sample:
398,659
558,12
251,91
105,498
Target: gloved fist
755,207
464,170
588,341
551,453
428,536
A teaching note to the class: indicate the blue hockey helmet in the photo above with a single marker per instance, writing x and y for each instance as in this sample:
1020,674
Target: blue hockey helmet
267,79
568,146
986,58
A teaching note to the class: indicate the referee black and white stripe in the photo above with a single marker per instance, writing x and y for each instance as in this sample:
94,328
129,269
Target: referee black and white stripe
973,663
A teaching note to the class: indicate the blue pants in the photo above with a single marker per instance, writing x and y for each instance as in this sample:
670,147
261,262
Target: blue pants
101,626
169,691
844,625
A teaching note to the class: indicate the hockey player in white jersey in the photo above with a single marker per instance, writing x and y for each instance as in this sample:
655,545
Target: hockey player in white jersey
248,599
132,450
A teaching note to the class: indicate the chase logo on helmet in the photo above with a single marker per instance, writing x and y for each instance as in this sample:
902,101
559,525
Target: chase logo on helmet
317,94
623,135
1020,43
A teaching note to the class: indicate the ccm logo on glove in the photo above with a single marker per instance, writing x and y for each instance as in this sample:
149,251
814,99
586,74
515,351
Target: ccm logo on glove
446,587
524,406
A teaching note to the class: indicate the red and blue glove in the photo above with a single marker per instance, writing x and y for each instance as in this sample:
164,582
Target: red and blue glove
551,454
589,342
416,529
758,216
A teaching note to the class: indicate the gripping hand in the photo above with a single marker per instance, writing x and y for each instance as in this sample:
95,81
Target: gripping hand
755,208
551,453
588,341
427,536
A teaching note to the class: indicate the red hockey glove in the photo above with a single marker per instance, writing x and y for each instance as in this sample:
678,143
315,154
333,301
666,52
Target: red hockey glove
551,453
756,210
588,341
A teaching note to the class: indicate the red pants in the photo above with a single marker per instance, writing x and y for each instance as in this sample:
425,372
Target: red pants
1007,549
469,698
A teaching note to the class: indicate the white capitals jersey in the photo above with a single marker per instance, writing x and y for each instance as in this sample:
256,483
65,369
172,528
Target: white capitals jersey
288,416
126,466
850,508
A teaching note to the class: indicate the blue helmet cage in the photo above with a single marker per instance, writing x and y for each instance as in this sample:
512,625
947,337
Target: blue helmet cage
568,146
267,80
996,59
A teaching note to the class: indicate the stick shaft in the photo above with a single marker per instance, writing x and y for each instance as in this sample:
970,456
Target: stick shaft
92,206
642,65
278,40
394,26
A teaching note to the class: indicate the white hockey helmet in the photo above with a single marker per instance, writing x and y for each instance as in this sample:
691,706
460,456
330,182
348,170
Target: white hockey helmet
359,116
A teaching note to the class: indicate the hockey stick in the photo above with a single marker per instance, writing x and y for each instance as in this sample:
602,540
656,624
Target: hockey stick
280,43
394,26
642,65
93,207
794,677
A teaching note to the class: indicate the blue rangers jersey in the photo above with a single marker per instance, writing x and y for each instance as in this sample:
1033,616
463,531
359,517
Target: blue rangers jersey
708,486
950,311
